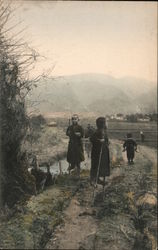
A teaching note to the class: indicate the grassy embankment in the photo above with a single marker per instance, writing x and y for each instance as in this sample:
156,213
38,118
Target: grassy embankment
49,144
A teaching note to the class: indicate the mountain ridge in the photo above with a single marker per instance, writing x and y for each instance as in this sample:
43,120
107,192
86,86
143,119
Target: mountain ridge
95,92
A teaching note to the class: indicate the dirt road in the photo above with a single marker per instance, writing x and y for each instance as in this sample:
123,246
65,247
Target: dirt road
122,218
65,216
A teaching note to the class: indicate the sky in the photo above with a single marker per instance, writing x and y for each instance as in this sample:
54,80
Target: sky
114,38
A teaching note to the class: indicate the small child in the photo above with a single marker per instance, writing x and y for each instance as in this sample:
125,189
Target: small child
142,136
130,146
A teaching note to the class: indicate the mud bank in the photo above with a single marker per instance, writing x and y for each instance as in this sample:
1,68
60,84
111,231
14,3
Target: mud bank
53,154
48,144
30,226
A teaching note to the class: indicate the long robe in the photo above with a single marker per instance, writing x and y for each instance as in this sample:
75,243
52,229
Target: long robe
97,146
75,153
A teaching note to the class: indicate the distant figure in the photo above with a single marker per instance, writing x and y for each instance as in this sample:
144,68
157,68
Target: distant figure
88,133
130,146
39,175
142,137
100,159
75,154
49,178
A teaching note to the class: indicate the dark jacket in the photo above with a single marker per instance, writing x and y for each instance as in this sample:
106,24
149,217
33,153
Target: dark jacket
130,146
97,146
75,152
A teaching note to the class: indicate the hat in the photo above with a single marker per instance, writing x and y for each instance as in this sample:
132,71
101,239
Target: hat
75,117
101,122
129,135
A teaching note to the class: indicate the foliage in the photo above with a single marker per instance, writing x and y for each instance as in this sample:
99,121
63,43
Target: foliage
16,59
37,120
137,116
131,118
153,117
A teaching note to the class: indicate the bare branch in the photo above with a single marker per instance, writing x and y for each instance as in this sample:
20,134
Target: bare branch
4,10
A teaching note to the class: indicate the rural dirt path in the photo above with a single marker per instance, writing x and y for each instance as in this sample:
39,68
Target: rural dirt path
124,218
65,217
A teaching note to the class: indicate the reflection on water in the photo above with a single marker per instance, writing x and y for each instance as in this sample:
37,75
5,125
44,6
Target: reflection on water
55,168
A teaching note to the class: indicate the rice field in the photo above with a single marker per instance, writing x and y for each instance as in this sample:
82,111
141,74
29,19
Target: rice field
119,129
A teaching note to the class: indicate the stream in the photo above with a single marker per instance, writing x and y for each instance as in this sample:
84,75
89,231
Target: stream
63,165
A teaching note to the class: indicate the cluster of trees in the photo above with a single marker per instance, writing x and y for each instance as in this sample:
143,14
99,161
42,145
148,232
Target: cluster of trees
153,117
37,120
131,118
134,117
139,116
16,59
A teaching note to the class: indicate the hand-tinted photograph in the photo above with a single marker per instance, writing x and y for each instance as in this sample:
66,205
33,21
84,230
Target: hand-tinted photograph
78,125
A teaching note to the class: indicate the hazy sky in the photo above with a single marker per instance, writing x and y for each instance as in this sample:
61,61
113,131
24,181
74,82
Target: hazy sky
116,38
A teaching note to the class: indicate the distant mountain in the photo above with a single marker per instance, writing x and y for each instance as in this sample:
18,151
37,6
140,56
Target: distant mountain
95,93
148,101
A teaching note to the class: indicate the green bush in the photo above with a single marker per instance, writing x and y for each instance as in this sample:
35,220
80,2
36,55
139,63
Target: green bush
15,180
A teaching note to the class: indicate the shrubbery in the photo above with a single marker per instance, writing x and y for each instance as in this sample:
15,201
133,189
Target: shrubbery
15,58
37,120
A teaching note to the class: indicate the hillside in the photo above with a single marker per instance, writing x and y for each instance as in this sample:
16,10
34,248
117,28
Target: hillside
95,92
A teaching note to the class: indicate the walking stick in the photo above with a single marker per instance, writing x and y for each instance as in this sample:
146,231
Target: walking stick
69,162
95,186
104,176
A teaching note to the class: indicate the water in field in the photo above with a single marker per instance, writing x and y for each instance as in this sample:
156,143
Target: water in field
55,168
63,165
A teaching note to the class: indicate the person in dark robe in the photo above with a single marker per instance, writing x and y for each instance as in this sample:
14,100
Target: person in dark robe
100,159
130,146
75,153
